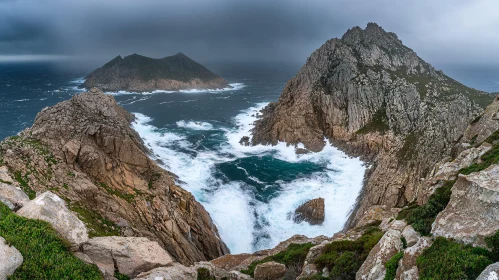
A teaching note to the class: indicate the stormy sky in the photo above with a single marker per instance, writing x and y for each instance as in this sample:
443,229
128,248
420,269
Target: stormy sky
444,31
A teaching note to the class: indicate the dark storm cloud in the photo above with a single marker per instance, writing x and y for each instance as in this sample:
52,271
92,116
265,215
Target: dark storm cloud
440,31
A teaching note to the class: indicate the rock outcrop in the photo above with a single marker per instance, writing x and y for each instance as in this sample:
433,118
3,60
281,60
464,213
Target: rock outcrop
127,255
473,210
270,271
52,209
490,273
175,271
138,73
10,259
85,151
311,212
12,196
371,96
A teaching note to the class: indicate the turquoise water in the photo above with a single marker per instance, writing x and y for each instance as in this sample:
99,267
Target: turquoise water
250,192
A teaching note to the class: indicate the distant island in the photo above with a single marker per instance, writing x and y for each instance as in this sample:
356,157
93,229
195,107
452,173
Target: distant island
139,73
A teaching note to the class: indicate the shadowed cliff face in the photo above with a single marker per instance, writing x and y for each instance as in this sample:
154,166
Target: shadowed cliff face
138,73
375,98
84,150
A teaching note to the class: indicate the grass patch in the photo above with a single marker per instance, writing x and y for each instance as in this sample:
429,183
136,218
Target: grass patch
295,254
378,123
489,158
447,260
204,274
391,266
46,255
422,216
23,183
343,258
97,225
120,276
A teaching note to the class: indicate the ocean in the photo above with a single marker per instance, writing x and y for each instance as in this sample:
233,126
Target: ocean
250,192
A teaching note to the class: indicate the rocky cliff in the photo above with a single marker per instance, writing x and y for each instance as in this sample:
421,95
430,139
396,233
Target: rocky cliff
138,73
374,97
84,150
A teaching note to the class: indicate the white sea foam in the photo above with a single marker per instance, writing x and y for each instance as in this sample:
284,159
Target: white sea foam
236,211
195,125
234,86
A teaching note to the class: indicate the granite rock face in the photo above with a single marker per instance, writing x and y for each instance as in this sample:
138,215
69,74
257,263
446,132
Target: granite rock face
137,73
473,210
371,96
311,212
10,259
51,208
128,255
85,151
12,196
270,271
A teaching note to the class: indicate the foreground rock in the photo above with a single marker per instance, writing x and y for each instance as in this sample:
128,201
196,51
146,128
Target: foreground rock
407,269
52,209
128,255
490,273
85,151
10,259
138,73
270,271
473,211
371,96
12,196
174,271
311,211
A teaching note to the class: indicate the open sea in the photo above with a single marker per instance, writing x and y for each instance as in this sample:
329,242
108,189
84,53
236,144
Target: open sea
250,192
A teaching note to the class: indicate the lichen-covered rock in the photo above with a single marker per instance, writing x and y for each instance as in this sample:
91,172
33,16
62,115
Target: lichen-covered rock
10,259
174,271
411,236
473,210
4,175
128,255
371,96
407,265
373,267
490,273
85,150
311,212
12,196
270,271
51,208
484,125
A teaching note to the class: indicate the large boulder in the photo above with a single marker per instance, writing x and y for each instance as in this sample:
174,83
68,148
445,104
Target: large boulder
174,271
270,271
311,211
52,209
10,259
4,175
374,266
12,196
128,255
407,265
473,210
490,273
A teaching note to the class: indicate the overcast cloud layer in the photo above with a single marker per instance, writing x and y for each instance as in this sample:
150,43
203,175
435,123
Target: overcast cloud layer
445,31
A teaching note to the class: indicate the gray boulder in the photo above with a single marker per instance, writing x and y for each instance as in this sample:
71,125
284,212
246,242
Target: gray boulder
174,271
490,273
52,209
10,259
12,196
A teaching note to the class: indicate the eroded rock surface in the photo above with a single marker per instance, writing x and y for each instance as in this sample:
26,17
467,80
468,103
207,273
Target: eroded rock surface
174,271
473,211
12,196
51,208
311,212
270,271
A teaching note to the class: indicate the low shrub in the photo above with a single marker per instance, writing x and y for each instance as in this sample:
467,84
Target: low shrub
294,255
46,255
204,274
447,260
493,244
391,266
343,258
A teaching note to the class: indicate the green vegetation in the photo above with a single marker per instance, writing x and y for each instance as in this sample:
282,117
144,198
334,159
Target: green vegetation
493,243
5,182
422,216
391,266
120,276
126,196
23,183
404,242
487,159
378,123
96,224
293,255
408,151
46,255
204,274
343,258
448,260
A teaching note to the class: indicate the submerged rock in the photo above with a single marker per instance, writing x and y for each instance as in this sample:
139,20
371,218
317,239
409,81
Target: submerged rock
245,141
128,255
10,259
311,212
12,196
52,209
